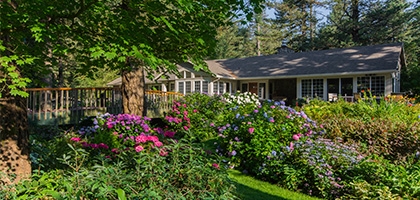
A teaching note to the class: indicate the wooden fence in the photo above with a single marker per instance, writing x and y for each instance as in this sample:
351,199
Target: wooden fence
70,105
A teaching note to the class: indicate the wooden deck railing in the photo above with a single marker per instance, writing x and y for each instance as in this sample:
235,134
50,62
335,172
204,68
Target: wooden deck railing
70,105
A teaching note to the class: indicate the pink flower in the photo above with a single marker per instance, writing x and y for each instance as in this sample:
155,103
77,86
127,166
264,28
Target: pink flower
186,128
251,130
138,148
153,138
115,133
291,146
194,110
158,143
141,139
295,137
215,165
94,146
162,152
75,139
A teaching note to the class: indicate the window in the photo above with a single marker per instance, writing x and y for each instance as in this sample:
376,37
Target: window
244,87
205,87
187,87
261,90
221,87
181,87
187,74
171,86
376,84
215,87
318,88
227,87
307,88
197,86
313,88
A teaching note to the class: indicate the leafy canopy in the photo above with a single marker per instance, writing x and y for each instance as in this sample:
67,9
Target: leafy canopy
39,34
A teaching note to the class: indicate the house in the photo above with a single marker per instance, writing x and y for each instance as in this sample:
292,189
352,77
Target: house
325,74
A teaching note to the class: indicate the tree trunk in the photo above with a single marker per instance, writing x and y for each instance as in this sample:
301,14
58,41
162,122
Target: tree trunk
14,137
133,93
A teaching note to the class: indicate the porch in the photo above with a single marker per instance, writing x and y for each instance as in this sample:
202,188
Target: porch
62,106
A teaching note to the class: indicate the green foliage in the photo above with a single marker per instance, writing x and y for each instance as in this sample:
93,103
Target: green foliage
185,172
10,79
377,178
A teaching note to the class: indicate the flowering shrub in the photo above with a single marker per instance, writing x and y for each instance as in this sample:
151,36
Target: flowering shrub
248,139
240,99
390,129
114,134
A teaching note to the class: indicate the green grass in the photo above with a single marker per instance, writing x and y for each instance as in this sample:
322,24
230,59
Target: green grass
252,189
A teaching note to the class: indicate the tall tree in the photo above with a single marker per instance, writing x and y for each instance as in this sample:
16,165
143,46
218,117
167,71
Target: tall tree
297,18
362,22
134,36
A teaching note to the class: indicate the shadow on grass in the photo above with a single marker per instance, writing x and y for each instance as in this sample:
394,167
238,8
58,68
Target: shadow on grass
249,188
248,193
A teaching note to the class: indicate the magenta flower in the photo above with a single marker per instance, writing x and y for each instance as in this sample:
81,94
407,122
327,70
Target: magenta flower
75,139
186,128
215,165
103,146
115,150
169,134
139,148
251,130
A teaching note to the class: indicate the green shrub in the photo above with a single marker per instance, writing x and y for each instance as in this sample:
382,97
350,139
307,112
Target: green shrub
377,178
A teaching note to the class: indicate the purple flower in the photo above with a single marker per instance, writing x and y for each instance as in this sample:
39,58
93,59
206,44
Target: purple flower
274,153
233,153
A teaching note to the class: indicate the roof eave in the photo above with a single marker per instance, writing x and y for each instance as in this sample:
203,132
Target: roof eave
318,75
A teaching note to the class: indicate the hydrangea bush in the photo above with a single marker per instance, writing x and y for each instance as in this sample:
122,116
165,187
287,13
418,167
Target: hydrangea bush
111,135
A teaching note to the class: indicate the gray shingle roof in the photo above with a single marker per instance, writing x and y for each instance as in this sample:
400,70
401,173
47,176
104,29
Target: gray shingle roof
356,60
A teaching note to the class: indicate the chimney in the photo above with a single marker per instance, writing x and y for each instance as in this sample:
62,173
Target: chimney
284,49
